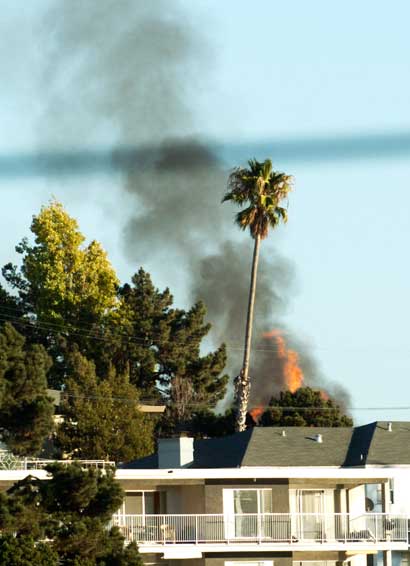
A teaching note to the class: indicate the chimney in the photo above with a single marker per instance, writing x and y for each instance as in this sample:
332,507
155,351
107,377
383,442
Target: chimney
175,452
319,438
389,427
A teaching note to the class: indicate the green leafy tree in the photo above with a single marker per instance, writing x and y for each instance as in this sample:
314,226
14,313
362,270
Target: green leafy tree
68,297
71,510
60,280
260,190
26,413
304,407
101,416
66,287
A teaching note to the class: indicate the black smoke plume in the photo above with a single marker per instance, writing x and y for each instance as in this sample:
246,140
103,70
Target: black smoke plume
130,72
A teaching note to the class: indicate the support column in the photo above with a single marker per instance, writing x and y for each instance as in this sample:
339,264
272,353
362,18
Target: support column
387,559
386,497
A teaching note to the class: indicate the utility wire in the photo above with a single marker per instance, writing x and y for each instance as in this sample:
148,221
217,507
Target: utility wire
143,401
132,338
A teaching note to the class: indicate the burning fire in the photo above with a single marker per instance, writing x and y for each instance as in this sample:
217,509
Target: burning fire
256,413
292,373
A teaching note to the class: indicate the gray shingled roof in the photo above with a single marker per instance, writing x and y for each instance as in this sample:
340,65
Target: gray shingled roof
387,447
299,447
371,444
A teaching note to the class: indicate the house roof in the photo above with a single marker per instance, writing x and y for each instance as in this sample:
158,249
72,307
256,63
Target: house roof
273,446
372,444
389,447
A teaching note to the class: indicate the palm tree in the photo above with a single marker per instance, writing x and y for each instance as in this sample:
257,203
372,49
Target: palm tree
261,190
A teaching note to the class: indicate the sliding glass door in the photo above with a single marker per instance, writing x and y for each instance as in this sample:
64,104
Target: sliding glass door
312,508
244,509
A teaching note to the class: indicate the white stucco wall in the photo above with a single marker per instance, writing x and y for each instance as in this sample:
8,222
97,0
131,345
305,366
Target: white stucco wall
401,479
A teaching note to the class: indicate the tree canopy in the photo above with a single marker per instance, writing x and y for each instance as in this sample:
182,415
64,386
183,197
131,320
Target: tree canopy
26,412
260,189
101,417
134,342
65,520
60,280
304,407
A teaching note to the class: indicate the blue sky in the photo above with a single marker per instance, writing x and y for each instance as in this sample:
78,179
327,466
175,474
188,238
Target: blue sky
270,70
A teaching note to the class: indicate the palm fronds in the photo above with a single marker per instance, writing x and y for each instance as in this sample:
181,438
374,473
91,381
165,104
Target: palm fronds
262,190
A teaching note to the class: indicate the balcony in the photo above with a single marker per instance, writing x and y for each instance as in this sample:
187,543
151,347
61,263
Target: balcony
10,462
273,530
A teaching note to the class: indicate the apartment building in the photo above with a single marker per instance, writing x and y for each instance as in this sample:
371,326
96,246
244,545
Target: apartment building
273,497
269,497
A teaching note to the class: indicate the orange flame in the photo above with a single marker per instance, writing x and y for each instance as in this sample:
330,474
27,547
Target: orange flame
325,395
256,413
292,373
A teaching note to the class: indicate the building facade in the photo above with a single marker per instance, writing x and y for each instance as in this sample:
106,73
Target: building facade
270,497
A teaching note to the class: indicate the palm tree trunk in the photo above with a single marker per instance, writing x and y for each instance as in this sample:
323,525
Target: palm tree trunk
243,385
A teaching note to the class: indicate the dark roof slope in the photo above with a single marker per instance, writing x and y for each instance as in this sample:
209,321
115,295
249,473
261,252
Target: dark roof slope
147,463
359,445
224,452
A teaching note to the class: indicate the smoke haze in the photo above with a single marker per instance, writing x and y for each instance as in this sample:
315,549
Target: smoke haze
127,72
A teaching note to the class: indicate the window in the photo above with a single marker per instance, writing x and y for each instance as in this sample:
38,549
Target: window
251,501
242,508
144,503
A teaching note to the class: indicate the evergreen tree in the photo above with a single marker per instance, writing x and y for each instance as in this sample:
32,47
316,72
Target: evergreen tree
8,305
25,551
161,346
101,416
71,510
25,410
304,407
68,297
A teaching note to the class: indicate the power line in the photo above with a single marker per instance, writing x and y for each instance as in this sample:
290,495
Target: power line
146,401
132,338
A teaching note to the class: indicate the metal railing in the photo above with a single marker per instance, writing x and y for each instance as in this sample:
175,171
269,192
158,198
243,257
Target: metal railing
269,528
10,462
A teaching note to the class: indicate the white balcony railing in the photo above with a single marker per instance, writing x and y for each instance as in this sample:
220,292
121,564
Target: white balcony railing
10,462
268,528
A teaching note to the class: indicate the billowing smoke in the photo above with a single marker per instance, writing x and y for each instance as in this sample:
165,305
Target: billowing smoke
129,72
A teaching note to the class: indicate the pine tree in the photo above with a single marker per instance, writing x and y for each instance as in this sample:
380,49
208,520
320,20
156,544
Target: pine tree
304,407
25,551
71,510
69,298
101,416
25,410
161,346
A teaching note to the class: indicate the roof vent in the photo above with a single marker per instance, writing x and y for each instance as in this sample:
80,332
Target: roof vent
389,427
319,438
283,432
